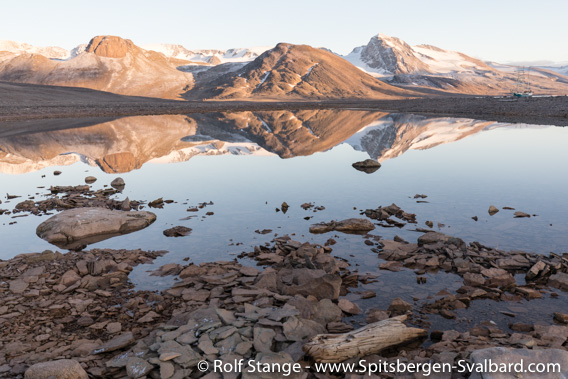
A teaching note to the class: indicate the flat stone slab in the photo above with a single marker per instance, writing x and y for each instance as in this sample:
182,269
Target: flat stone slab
78,227
500,356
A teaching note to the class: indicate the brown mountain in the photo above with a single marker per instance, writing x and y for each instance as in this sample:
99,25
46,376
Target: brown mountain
295,72
109,64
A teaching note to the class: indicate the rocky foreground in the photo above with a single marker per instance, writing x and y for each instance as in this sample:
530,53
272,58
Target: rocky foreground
76,315
81,307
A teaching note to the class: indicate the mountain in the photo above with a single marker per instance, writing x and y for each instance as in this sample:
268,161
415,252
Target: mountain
425,66
295,72
107,63
18,48
211,57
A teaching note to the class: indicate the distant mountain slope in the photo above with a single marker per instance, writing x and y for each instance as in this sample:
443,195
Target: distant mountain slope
108,63
212,57
427,66
18,48
295,72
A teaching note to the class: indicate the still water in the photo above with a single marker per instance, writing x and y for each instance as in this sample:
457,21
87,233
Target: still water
248,163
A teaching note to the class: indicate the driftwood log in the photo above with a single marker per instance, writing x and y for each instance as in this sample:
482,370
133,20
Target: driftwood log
370,339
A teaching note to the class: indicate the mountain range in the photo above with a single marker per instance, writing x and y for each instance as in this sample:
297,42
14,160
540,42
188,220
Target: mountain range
386,67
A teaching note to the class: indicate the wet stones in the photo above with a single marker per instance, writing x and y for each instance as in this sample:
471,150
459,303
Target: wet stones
385,214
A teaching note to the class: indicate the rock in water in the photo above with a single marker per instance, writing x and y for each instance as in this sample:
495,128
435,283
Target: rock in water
177,231
492,210
81,226
368,166
350,225
520,359
118,183
61,369
90,179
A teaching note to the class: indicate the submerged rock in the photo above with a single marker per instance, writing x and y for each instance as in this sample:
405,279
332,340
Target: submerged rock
78,227
177,231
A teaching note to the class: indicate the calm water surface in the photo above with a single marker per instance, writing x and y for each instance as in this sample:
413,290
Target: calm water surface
247,164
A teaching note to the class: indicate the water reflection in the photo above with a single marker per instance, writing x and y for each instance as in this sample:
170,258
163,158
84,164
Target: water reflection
126,144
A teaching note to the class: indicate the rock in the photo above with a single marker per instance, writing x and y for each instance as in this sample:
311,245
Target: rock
299,329
167,370
326,311
56,172
561,317
312,282
114,327
368,166
349,307
498,277
350,225
69,278
18,286
559,280
492,210
116,343
539,269
177,231
118,184
60,369
90,179
77,227
263,339
137,367
521,214
374,315
399,306
521,358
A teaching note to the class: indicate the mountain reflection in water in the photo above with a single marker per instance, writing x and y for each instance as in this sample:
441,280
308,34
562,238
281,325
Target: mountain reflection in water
125,144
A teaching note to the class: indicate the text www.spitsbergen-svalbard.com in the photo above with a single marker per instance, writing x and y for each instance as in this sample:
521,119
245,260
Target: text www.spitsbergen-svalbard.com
386,367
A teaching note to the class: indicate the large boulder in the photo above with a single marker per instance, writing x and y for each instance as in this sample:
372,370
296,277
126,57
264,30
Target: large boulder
520,359
61,369
78,227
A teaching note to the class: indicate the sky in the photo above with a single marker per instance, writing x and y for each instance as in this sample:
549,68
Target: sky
496,30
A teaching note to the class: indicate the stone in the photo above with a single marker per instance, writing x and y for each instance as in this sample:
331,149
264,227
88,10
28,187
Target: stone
522,357
311,282
374,315
69,278
399,306
187,358
368,166
521,214
60,369
536,271
114,327
177,231
137,367
559,280
492,210
167,370
351,225
561,317
298,329
18,286
263,339
226,316
118,183
349,307
118,342
90,179
326,311
80,226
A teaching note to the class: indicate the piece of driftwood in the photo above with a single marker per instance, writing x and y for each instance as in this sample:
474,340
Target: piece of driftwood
370,339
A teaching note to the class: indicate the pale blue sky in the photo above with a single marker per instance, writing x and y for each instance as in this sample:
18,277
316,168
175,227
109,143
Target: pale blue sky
499,30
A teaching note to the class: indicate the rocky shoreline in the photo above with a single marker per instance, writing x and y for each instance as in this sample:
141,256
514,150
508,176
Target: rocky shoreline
58,310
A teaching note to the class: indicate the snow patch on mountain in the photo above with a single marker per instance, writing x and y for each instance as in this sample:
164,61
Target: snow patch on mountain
18,48
212,56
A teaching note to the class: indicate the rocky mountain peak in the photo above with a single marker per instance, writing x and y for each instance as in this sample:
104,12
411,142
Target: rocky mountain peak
110,46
